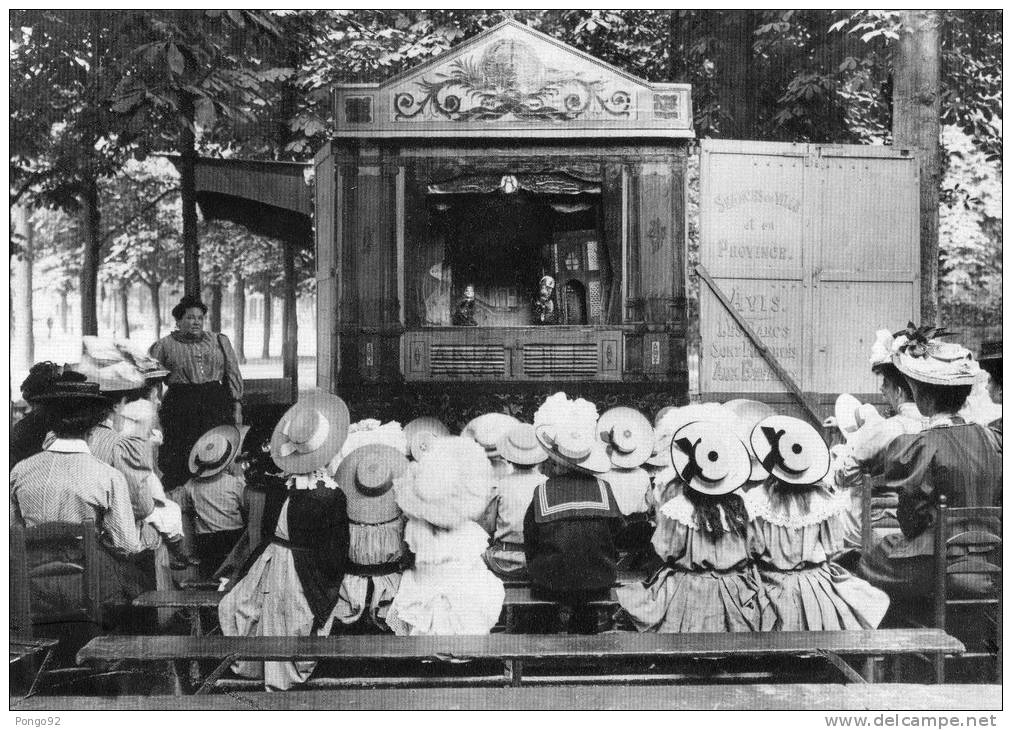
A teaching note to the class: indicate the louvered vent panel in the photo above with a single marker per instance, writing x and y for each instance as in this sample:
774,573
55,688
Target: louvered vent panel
560,361
467,360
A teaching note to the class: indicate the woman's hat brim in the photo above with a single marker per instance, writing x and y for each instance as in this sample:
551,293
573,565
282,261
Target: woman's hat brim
338,420
596,462
904,363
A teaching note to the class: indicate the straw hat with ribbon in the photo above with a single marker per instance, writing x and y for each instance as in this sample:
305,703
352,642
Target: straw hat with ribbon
487,429
709,458
573,447
747,413
310,433
674,419
71,389
922,357
520,446
366,476
216,449
627,435
117,365
790,449
420,434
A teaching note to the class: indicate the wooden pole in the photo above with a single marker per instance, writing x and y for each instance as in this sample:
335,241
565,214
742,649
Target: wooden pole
916,109
290,343
188,197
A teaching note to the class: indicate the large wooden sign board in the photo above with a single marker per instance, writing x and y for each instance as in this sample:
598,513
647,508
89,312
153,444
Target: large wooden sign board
816,247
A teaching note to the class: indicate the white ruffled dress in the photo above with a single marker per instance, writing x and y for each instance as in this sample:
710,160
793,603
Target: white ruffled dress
450,591
708,583
801,533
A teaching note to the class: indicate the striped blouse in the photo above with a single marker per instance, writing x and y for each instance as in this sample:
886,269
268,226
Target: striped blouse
208,358
65,483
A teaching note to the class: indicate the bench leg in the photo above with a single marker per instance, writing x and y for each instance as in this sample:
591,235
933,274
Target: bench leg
514,671
213,677
845,669
938,662
873,669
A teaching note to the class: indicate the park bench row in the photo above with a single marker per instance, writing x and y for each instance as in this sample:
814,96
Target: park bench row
515,651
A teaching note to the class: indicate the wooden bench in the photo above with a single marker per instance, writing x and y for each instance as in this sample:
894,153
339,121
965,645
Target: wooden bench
192,601
976,698
516,649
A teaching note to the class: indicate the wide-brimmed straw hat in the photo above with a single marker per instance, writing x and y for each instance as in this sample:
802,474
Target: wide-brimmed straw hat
488,428
577,448
310,433
520,445
117,365
216,449
920,356
420,434
709,458
674,419
366,476
71,388
747,413
627,435
790,449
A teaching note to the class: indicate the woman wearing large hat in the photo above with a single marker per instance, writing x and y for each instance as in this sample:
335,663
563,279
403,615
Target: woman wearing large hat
708,583
65,482
570,527
959,459
803,525
289,586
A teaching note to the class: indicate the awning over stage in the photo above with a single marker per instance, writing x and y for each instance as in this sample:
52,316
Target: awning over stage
270,198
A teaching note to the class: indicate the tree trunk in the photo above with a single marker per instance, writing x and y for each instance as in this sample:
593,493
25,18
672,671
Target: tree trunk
21,293
188,197
265,351
916,107
215,308
124,308
239,318
737,76
156,307
90,262
64,311
290,344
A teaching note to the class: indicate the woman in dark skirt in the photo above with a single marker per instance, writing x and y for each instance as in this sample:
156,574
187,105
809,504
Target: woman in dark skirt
205,387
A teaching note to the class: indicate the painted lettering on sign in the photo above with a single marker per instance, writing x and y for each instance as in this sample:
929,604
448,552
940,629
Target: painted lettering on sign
752,252
728,202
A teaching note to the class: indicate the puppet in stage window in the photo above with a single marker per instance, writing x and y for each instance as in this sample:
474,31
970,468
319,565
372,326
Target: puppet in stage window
543,307
463,315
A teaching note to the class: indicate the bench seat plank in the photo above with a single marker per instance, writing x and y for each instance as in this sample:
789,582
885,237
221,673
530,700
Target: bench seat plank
520,646
891,697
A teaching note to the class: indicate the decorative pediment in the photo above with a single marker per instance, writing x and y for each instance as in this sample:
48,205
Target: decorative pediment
512,80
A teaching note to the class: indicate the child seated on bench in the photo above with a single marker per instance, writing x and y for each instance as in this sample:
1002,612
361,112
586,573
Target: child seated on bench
570,527
803,524
519,448
703,534
289,586
214,500
449,590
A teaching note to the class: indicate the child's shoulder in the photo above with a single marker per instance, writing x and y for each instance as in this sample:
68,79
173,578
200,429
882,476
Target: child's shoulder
796,507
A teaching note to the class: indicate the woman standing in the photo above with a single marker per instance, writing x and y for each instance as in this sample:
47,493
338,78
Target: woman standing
205,387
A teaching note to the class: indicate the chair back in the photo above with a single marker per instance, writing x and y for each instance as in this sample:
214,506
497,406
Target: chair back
64,551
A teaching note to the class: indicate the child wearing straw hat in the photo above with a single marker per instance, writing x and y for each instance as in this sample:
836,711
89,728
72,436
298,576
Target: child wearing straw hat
803,525
960,459
487,430
289,586
214,501
449,590
519,448
377,553
571,524
703,535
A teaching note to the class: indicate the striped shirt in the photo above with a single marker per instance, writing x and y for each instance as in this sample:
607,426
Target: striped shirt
65,483
129,456
205,359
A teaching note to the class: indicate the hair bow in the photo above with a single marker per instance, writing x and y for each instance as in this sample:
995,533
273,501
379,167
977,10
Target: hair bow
918,338
774,458
689,449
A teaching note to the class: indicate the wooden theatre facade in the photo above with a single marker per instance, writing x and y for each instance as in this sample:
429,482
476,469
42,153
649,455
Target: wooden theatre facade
509,158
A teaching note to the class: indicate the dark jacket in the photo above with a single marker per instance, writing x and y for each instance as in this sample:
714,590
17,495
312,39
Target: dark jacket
318,539
28,434
569,535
